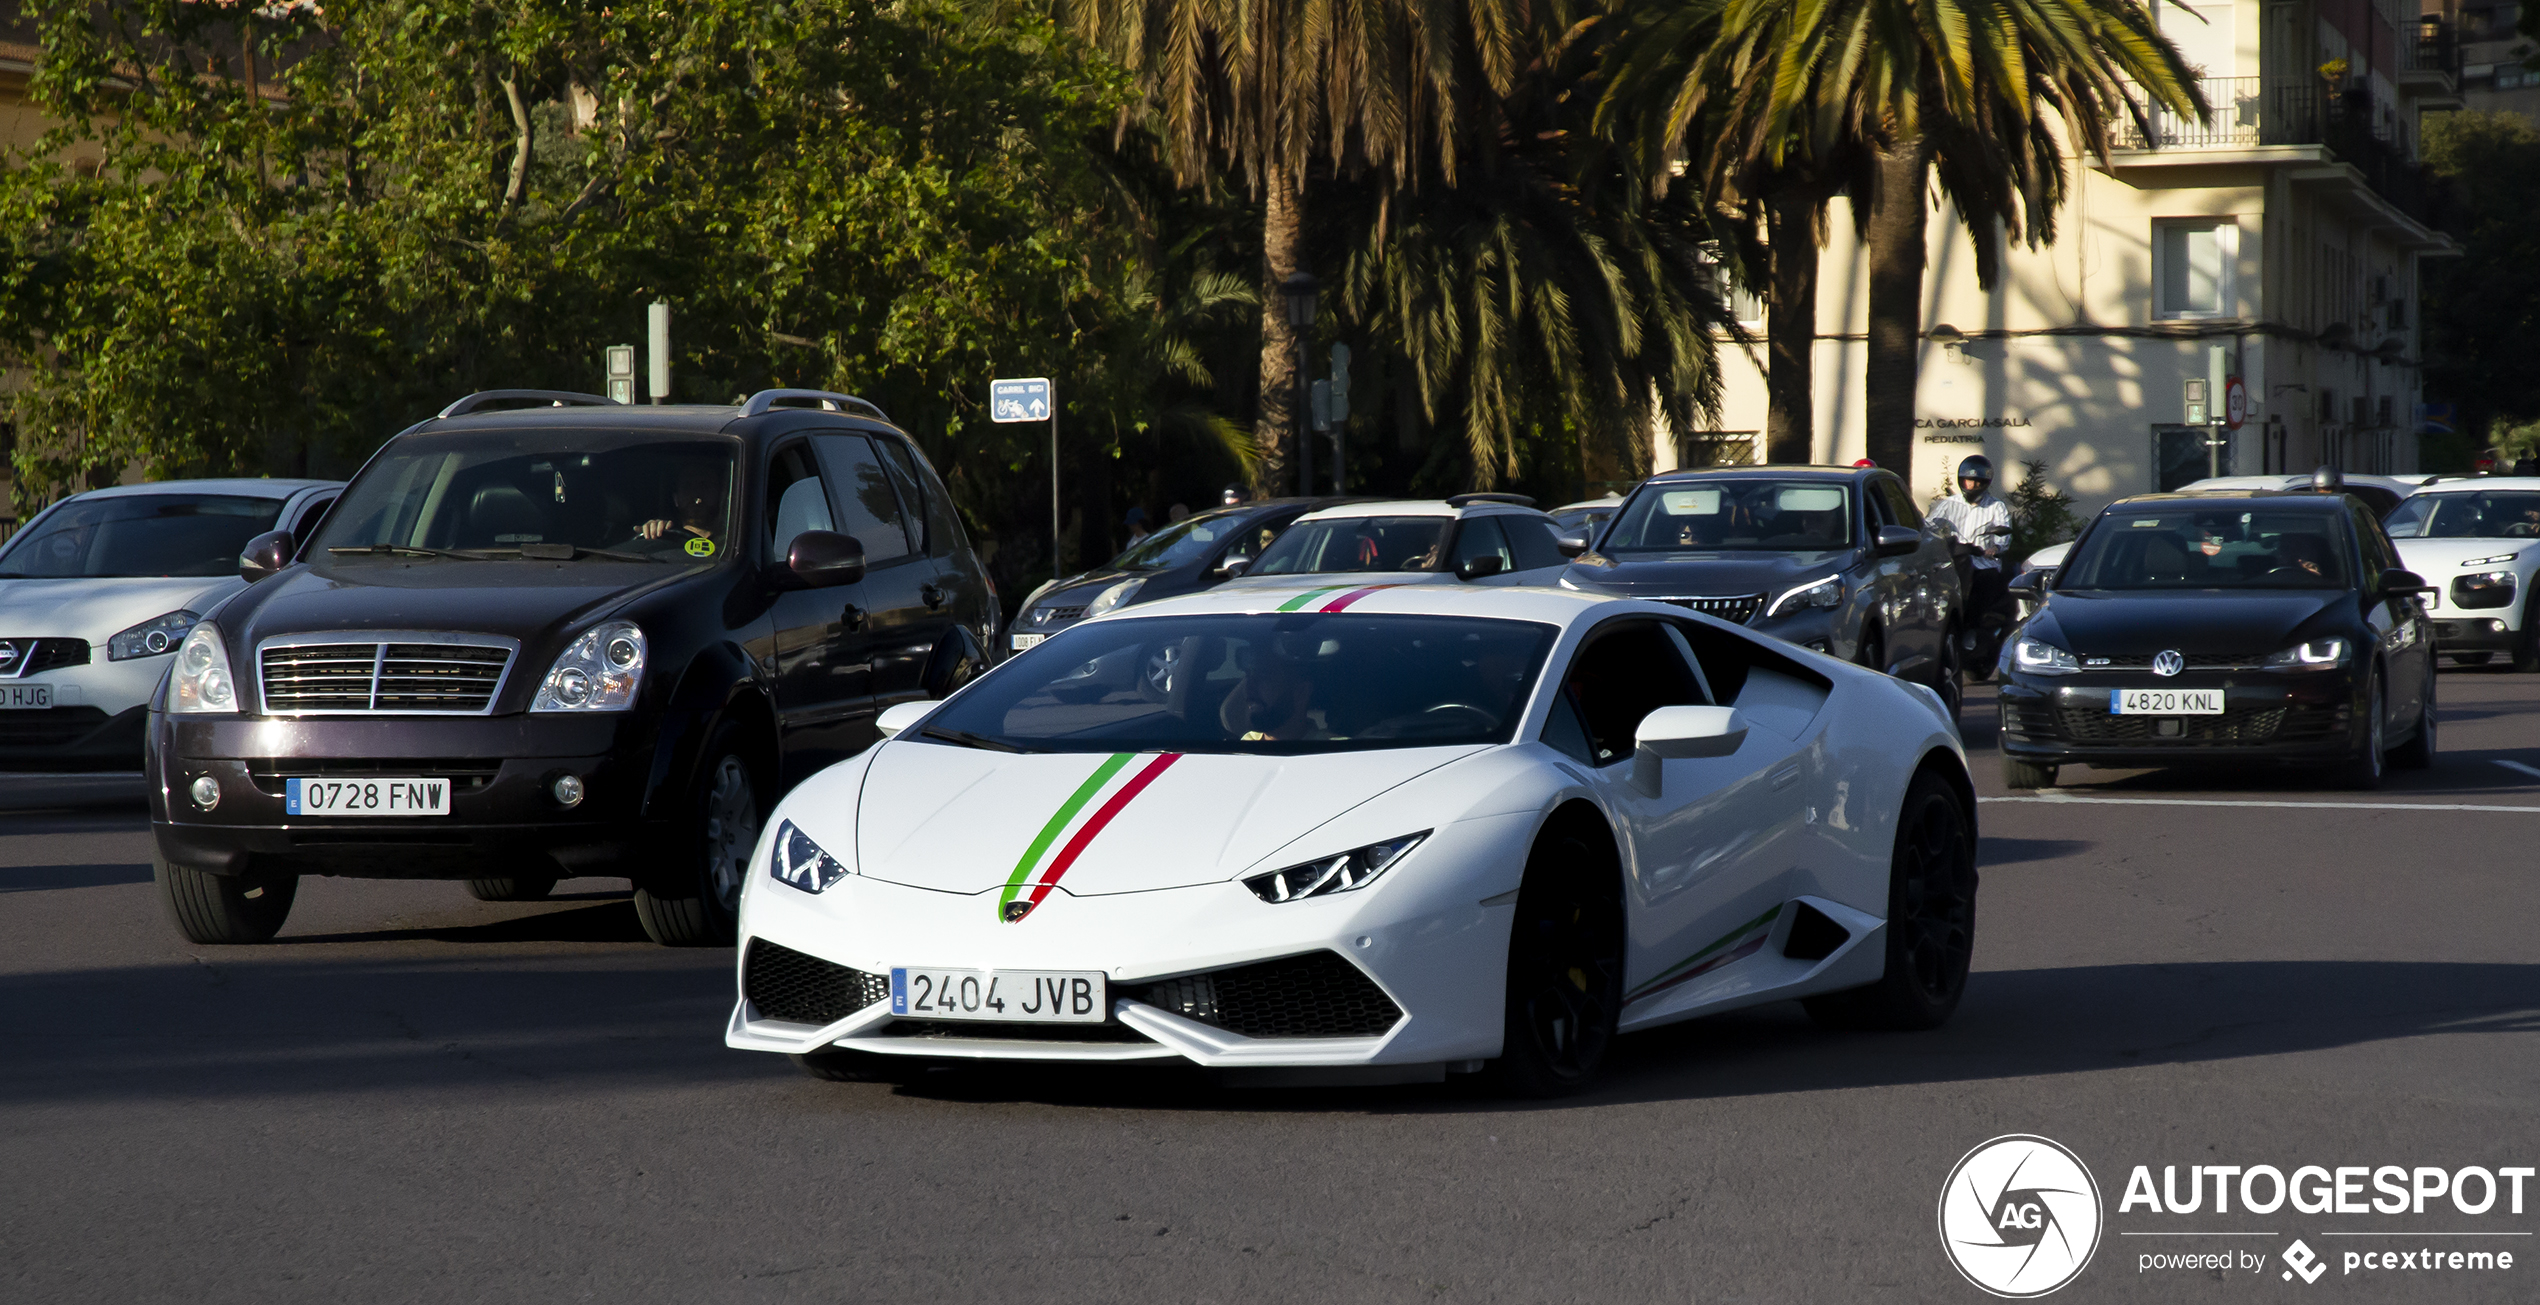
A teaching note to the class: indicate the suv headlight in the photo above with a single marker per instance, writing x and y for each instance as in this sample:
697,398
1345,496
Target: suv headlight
200,681
799,862
1333,874
598,673
1113,597
157,635
2038,657
1824,593
2317,655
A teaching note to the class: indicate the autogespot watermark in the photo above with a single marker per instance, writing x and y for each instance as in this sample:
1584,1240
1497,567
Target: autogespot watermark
2021,1216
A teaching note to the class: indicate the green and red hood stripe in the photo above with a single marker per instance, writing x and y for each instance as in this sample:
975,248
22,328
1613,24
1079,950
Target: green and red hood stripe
1085,833
1340,604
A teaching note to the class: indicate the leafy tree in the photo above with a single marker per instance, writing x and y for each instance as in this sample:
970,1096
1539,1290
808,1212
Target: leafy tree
2482,310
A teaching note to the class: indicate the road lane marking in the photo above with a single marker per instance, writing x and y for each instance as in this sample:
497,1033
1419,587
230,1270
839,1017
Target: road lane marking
2532,771
2215,802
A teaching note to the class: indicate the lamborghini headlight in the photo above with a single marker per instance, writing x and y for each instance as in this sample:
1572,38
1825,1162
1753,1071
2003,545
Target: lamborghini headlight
1333,874
2317,655
800,863
1824,593
1113,597
157,635
200,681
2038,657
599,672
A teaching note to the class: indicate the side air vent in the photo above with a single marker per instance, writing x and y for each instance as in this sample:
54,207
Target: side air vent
784,984
1813,935
1318,995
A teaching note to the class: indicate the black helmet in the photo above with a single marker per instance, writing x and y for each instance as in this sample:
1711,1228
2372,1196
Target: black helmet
1230,495
1977,468
2328,480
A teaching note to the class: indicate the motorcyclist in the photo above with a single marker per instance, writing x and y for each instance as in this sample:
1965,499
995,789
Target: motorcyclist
1983,520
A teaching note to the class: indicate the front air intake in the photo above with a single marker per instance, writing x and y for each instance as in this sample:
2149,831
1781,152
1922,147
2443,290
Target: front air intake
1318,995
783,984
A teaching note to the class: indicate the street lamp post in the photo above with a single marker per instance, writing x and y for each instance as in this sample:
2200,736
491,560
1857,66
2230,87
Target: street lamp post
1298,289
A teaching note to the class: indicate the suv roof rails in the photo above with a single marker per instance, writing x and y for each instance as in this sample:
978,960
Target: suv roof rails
765,401
484,399
1466,500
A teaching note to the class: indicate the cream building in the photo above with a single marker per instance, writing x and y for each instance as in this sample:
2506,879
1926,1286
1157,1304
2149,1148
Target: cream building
2277,246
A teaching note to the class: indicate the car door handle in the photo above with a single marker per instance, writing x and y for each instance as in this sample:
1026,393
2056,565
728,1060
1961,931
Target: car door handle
1786,776
933,595
852,619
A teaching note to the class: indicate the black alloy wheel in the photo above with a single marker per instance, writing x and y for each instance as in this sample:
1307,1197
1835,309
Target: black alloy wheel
512,888
2527,639
2418,752
694,898
1950,675
1872,650
2026,774
2364,769
1565,970
1931,919
210,908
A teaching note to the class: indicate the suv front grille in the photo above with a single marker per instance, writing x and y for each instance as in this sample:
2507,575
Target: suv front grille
465,774
410,677
33,656
2236,725
1735,608
784,984
2195,662
1052,615
1318,995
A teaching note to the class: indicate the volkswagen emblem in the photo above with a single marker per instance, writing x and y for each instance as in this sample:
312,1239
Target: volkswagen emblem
2168,662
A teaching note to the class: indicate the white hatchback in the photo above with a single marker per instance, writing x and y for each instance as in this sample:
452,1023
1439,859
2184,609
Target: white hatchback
99,589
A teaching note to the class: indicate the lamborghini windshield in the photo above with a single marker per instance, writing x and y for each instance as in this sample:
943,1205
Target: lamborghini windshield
1279,683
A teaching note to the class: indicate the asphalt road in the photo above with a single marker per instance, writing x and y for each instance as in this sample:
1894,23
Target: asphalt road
413,1096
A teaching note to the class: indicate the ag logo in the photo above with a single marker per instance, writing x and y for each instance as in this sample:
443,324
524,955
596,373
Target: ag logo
2303,1260
2168,662
2020,1216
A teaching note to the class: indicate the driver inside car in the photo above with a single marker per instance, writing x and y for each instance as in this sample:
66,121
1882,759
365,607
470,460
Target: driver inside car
1274,702
694,497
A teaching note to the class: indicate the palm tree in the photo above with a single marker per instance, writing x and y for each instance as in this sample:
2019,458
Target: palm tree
1891,94
1283,92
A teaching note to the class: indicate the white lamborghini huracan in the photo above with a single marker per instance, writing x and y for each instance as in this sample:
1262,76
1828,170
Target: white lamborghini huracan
1375,834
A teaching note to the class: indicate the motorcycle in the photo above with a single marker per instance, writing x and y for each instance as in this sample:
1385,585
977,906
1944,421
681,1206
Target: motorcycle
1990,611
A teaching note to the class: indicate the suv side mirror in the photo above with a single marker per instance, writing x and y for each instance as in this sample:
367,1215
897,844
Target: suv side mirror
1476,568
819,559
1572,545
2030,585
1230,568
1898,541
2396,581
266,554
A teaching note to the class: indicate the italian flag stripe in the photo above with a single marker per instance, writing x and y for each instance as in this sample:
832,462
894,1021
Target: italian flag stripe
1674,974
1127,794
1341,604
1058,821
1309,596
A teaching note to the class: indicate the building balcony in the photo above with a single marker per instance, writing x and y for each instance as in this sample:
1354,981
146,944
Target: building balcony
2328,134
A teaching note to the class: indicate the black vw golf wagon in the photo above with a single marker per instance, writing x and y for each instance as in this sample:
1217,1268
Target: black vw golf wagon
572,638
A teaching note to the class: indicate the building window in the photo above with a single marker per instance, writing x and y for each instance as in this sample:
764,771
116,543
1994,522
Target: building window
2191,268
1717,448
1744,305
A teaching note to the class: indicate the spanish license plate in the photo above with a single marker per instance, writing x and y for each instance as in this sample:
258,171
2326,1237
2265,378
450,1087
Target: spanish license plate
1023,641
367,797
1004,996
2165,702
26,697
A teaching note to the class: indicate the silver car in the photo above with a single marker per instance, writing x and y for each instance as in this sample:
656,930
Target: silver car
99,590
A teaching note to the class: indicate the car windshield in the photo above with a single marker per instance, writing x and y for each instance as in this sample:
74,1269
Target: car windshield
1273,683
496,492
1187,540
140,535
2212,548
1355,544
2477,515
1734,512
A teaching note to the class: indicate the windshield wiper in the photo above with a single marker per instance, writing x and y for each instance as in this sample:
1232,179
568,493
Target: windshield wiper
408,550
568,552
969,740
